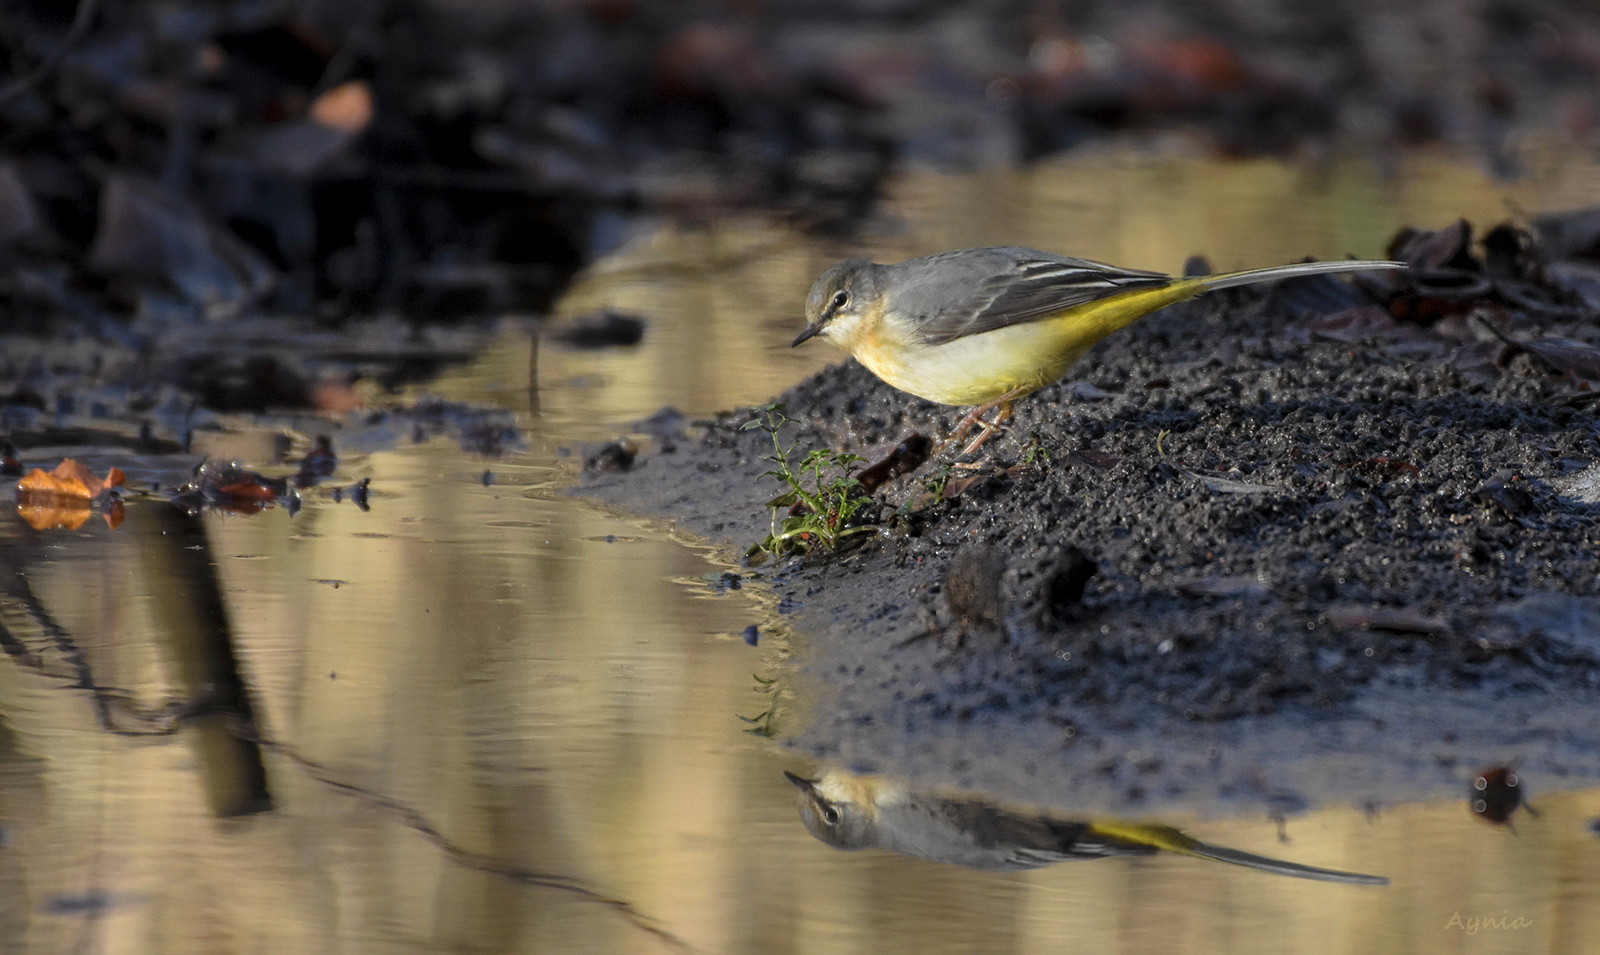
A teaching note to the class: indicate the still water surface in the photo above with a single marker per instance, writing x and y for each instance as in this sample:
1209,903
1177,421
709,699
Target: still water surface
489,718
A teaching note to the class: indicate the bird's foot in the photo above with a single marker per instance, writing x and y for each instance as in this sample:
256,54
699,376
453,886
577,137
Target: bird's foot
987,430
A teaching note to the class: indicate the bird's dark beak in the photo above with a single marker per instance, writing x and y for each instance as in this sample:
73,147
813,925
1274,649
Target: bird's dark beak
810,332
801,783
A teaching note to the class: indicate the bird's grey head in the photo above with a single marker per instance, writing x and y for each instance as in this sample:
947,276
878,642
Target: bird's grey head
839,300
839,823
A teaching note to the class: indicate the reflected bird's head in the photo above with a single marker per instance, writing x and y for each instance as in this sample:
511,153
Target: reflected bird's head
838,817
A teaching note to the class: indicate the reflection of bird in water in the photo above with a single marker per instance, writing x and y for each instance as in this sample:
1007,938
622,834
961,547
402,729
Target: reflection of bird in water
848,811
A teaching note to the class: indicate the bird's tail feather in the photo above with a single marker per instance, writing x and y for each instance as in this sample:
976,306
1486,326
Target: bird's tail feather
1173,840
1277,272
1206,850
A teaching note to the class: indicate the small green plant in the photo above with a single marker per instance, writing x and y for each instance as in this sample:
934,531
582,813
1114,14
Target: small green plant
823,498
1038,455
764,723
932,491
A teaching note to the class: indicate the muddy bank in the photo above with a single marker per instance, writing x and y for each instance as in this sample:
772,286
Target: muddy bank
1266,549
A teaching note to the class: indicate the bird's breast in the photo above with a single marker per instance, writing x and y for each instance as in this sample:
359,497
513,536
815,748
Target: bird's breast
976,369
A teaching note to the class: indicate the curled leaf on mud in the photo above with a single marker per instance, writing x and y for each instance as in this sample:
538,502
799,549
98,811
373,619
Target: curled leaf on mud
1580,361
911,453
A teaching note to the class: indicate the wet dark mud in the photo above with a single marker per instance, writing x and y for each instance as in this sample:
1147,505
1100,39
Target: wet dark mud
1264,549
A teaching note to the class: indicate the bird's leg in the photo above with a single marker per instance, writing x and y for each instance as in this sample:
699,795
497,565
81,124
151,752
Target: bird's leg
975,416
990,428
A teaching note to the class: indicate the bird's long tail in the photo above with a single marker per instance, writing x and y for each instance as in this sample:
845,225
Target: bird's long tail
1206,850
1277,272
1173,840
1083,327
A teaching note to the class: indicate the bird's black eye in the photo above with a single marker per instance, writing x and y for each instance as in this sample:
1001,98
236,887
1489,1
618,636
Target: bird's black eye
830,815
841,298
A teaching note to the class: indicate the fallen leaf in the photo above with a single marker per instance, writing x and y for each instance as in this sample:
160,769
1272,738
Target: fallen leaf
1357,324
71,480
1570,234
1438,249
1578,359
249,490
50,511
903,458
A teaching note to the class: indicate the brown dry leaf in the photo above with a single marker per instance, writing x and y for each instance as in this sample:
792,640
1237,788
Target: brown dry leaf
70,480
346,107
903,458
1578,359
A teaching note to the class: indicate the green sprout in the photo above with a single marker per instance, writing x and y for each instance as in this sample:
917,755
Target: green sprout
932,491
1038,455
764,723
824,500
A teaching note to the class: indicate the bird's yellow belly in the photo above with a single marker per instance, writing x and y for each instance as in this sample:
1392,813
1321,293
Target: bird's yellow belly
978,369
1015,359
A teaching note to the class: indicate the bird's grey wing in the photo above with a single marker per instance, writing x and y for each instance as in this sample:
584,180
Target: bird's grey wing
953,295
1028,840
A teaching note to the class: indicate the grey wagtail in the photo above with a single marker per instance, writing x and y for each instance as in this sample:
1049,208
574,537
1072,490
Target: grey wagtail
987,326
850,811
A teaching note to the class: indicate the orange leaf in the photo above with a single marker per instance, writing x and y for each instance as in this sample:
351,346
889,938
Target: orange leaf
253,490
45,512
69,479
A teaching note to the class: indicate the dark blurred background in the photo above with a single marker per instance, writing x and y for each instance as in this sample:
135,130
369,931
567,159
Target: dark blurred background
168,161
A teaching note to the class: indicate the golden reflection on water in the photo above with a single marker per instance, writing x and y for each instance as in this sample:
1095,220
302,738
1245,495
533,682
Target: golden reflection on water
552,687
